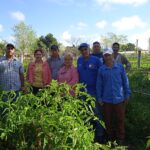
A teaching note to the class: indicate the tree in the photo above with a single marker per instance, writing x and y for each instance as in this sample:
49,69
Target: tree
110,38
25,38
127,47
2,48
47,41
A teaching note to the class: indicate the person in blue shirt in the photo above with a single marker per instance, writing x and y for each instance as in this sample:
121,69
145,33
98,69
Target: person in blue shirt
88,66
97,50
113,93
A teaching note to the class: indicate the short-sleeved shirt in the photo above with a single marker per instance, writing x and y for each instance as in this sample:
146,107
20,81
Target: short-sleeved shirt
55,64
10,74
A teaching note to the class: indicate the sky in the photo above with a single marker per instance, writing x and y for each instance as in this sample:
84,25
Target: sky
70,20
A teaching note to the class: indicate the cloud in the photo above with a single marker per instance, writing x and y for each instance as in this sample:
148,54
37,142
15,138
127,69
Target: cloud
142,38
123,2
65,38
66,35
18,16
128,23
101,24
11,39
81,25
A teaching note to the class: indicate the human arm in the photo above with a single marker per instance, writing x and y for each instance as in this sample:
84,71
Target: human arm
74,77
99,84
126,62
126,88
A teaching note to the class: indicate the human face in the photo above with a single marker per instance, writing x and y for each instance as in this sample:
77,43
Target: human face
68,61
96,48
10,51
115,48
38,55
85,52
54,53
108,58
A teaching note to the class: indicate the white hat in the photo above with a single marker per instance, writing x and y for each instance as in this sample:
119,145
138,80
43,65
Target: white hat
108,51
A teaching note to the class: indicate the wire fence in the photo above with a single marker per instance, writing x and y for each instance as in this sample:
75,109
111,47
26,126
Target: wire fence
139,74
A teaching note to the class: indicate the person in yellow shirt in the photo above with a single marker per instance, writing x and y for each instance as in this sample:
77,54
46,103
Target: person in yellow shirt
38,73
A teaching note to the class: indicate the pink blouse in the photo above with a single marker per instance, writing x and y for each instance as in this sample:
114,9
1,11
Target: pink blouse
70,76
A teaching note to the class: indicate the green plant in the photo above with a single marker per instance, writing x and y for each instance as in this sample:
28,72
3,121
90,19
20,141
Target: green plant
53,119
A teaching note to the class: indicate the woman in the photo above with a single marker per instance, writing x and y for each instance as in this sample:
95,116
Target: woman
38,74
68,73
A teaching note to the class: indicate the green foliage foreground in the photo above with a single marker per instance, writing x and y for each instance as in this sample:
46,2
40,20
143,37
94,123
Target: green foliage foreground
51,120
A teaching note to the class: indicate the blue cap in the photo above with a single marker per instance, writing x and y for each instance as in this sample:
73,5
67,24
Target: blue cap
83,45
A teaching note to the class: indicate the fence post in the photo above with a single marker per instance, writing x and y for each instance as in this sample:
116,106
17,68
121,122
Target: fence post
139,58
138,54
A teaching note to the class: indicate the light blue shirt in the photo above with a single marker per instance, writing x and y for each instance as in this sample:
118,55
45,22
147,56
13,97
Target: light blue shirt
55,64
10,74
112,84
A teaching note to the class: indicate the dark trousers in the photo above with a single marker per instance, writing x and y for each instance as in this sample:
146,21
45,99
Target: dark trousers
114,116
35,90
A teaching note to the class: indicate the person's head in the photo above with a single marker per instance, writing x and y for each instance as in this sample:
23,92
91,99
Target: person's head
96,47
115,47
107,54
10,50
54,51
84,49
68,59
38,54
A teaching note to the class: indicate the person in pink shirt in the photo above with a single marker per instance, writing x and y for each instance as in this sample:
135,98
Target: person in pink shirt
68,73
38,73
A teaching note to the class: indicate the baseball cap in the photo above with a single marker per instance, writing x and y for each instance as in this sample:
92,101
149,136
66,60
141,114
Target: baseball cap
10,45
108,51
96,42
83,45
54,47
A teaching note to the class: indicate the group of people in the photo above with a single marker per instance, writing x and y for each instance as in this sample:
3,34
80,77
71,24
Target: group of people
103,73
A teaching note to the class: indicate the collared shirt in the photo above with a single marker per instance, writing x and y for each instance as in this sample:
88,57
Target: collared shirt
99,55
10,74
70,76
112,84
123,60
88,73
55,64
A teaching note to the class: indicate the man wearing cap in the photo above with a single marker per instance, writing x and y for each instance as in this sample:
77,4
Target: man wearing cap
112,94
119,58
88,66
97,50
11,71
55,61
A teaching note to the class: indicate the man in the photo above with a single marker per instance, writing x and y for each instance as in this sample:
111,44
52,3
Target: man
55,61
88,66
112,93
119,58
11,71
97,51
